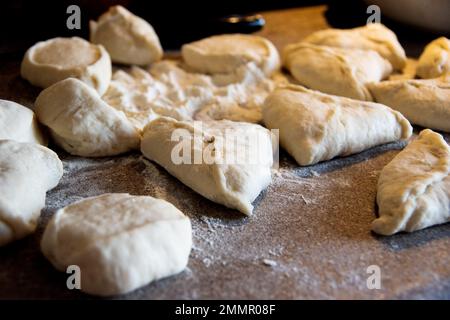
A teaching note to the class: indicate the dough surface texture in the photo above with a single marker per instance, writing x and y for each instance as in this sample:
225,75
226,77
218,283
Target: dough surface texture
414,188
82,123
19,123
422,102
337,71
27,172
226,162
48,62
315,127
373,36
435,59
120,242
226,53
127,38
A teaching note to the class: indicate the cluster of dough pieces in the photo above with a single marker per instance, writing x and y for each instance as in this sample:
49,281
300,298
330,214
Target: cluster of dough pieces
339,105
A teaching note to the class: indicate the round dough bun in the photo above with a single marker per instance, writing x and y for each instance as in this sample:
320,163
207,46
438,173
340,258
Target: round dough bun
225,53
128,38
50,61
82,123
19,123
120,242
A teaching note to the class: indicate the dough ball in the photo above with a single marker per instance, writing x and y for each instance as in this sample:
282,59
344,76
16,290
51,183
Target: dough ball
19,123
435,59
337,71
232,160
128,38
28,171
225,53
82,123
373,36
120,242
50,61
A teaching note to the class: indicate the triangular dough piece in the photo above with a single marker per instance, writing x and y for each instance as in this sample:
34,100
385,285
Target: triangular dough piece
435,59
414,188
423,102
315,126
82,123
19,123
232,174
342,72
28,171
373,36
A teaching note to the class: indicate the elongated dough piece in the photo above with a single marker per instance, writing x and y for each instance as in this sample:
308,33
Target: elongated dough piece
315,127
435,59
225,53
342,72
414,188
373,36
48,62
120,242
231,162
19,123
422,102
28,171
83,124
127,38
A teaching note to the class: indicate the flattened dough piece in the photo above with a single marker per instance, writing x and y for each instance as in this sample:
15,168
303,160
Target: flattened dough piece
342,72
128,38
81,123
225,53
422,102
48,62
120,242
373,36
414,188
435,59
19,123
27,172
232,174
315,127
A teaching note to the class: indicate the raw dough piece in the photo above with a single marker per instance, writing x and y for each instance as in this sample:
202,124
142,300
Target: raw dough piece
128,38
435,59
50,61
225,53
170,90
120,242
414,188
315,127
28,171
83,124
408,72
342,72
19,123
373,36
232,174
422,102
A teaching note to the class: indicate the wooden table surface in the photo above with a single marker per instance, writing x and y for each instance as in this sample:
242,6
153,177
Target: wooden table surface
309,236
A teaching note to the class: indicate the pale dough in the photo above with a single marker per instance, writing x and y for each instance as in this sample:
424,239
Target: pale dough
337,71
225,53
373,36
315,127
19,123
171,90
82,123
27,172
227,180
435,59
414,188
128,38
50,61
422,102
120,242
